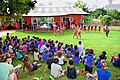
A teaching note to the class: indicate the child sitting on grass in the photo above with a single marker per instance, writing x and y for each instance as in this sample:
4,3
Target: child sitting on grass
68,53
98,62
36,55
56,69
45,55
29,66
61,59
89,59
19,54
115,61
104,55
50,60
76,58
71,70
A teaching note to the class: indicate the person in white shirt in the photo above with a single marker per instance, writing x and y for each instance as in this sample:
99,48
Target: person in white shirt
36,55
10,48
61,59
56,69
80,48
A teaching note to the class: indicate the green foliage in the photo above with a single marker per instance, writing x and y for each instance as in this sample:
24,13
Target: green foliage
99,12
88,19
16,7
80,4
107,20
115,14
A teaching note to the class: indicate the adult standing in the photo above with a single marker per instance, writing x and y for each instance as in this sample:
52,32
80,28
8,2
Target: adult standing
107,31
102,73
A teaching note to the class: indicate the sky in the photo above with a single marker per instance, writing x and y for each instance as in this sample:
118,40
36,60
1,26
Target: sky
92,4
97,3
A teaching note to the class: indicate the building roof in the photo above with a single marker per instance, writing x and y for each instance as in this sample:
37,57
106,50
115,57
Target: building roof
54,8
55,11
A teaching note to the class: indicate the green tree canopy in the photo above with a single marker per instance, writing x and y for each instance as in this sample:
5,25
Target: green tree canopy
99,12
80,4
15,7
107,20
115,14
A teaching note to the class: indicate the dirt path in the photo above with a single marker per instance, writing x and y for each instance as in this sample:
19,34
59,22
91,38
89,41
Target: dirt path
3,32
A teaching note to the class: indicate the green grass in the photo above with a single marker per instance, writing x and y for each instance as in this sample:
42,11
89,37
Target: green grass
95,40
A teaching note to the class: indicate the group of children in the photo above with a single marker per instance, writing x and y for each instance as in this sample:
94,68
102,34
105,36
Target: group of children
92,28
58,29
55,54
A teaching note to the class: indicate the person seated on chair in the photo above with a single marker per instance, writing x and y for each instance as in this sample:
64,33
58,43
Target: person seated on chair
115,61
29,66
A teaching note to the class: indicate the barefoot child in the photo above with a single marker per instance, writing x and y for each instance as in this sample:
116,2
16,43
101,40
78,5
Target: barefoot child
75,32
54,29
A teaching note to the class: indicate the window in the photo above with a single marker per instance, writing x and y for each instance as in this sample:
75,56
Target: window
65,19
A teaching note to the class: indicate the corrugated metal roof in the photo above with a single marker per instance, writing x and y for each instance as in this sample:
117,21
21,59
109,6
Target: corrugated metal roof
55,11
55,8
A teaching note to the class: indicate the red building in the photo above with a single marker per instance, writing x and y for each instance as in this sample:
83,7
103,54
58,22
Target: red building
50,14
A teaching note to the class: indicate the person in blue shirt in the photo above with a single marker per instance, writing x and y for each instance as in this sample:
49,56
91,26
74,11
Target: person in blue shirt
76,58
50,60
45,55
103,73
8,36
19,54
98,62
52,50
89,59
75,49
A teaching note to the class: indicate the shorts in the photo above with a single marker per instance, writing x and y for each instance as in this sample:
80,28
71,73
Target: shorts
35,67
16,70
88,69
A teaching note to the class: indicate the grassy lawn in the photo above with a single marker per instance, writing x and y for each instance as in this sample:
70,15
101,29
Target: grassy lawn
95,40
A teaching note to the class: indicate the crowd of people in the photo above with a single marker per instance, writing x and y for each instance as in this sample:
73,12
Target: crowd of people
77,29
55,54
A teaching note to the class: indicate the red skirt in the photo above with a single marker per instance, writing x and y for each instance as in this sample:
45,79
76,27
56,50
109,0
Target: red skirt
79,33
99,29
95,29
75,33
84,29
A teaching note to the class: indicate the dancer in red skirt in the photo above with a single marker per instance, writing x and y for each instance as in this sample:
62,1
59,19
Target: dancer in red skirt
91,28
54,28
75,32
79,31
84,28
88,28
99,28
95,28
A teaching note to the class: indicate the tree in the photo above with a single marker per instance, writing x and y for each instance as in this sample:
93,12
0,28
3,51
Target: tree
99,12
115,14
107,20
88,19
80,4
15,7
